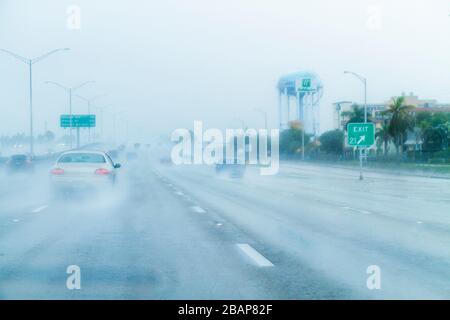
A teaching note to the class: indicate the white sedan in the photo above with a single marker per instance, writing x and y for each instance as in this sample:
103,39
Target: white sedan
82,169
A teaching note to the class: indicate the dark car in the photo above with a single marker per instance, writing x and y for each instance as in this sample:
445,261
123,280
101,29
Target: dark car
19,163
233,170
165,160
131,156
114,154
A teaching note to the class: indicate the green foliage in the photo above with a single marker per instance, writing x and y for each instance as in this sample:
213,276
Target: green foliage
435,139
356,115
383,137
332,141
291,141
426,120
400,121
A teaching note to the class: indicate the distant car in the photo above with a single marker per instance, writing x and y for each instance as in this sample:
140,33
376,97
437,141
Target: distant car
83,169
131,156
19,163
165,160
114,154
233,170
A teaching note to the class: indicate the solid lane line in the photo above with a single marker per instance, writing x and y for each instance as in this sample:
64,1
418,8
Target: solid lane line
258,258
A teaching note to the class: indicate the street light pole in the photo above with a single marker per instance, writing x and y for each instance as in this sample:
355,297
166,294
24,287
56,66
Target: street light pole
70,90
102,118
264,113
364,81
70,117
30,68
115,114
89,101
30,63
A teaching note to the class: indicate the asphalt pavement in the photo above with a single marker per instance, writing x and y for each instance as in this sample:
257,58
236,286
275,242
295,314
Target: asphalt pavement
186,232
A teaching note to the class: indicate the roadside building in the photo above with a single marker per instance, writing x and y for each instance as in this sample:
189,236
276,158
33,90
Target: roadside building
413,142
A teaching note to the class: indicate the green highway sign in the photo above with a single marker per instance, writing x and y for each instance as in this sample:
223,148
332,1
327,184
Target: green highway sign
78,121
361,134
306,83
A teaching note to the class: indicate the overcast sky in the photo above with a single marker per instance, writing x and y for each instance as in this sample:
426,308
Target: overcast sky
170,62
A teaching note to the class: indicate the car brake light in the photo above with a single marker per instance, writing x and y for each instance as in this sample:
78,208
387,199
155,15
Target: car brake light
57,171
102,172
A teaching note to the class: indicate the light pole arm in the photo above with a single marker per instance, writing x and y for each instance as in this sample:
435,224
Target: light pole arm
82,85
90,99
37,59
58,85
361,78
15,55
34,60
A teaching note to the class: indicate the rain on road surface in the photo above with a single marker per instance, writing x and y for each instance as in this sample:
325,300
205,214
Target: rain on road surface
185,232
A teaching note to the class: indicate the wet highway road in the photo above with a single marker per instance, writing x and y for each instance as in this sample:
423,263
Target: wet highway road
184,232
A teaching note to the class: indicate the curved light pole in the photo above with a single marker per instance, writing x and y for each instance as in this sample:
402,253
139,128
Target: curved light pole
30,63
115,114
364,81
102,116
264,113
241,121
89,101
70,90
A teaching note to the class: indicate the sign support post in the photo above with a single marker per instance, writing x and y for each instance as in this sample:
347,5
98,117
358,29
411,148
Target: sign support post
361,135
78,137
77,121
361,177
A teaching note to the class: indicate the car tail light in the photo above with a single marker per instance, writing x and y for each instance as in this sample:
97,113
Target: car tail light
57,171
102,172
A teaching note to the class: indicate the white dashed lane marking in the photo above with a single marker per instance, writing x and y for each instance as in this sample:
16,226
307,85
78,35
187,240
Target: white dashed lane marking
39,209
356,210
198,209
258,258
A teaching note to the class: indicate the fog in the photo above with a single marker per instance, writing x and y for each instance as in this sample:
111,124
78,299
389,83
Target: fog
144,218
168,63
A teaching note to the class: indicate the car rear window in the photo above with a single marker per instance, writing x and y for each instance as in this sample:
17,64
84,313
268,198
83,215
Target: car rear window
82,158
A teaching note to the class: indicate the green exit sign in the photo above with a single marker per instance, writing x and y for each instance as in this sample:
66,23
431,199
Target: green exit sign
78,121
361,134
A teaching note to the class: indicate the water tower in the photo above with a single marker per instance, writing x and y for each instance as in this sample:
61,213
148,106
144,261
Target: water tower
299,94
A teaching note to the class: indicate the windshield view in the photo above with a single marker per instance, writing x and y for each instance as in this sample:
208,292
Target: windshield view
224,150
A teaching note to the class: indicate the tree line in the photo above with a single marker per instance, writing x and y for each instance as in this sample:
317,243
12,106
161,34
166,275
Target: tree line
430,129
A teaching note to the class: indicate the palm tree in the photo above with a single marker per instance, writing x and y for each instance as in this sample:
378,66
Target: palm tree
400,121
384,137
356,115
